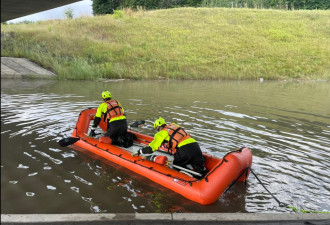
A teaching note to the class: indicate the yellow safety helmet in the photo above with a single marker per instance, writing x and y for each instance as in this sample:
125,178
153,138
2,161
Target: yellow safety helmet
159,122
106,94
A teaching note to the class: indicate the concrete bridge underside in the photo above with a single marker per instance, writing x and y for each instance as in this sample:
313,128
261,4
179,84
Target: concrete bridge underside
12,9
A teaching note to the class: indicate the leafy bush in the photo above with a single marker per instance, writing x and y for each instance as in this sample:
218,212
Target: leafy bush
68,13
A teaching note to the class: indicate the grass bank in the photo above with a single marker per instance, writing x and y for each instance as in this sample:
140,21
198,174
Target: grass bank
181,43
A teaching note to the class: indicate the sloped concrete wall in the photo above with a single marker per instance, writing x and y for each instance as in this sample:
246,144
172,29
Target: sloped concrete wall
22,68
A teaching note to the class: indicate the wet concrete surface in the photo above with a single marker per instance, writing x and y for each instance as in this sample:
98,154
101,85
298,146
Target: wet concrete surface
168,218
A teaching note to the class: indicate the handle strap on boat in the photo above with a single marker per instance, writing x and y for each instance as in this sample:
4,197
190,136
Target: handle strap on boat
234,182
222,161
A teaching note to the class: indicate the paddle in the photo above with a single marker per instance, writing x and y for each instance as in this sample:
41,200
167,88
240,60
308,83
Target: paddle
68,141
187,170
137,123
182,169
71,140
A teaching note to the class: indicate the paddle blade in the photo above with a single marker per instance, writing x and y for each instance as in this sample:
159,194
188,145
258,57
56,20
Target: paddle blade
68,141
137,123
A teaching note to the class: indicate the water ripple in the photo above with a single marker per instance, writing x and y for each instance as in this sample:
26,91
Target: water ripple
287,130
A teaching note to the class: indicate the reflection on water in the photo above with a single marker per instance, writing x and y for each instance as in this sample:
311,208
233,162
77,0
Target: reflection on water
285,124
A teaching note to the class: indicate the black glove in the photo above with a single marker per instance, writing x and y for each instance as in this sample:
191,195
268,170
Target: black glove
92,133
146,150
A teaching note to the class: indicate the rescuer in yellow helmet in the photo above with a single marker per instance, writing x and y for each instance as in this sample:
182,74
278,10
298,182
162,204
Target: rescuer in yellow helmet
114,115
186,150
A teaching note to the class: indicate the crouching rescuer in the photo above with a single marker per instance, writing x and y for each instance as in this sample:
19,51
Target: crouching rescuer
186,149
114,115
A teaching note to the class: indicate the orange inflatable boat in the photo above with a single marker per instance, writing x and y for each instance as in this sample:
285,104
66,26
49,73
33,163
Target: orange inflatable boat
204,190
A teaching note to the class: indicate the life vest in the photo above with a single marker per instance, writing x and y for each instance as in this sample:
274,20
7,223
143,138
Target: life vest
177,135
114,110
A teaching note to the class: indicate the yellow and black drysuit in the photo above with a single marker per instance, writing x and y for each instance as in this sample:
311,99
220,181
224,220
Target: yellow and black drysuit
186,149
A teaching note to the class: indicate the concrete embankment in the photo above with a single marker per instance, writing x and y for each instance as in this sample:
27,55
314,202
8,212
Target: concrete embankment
22,68
168,218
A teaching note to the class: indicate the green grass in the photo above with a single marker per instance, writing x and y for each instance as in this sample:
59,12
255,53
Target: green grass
181,43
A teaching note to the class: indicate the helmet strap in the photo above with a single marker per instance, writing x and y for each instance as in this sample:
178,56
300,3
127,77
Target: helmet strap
160,127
